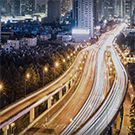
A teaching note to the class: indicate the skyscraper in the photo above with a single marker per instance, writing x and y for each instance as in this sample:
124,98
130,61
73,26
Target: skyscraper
66,6
41,6
27,7
127,8
3,6
51,11
97,10
108,9
83,15
75,12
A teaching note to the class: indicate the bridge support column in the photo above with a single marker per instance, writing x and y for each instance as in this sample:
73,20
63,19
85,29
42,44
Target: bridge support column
32,115
118,122
49,102
67,85
6,130
60,94
71,82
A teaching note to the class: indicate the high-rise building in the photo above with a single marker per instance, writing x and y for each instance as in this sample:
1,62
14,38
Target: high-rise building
3,7
97,10
15,7
66,6
27,7
127,8
58,10
83,15
133,5
75,12
51,17
119,8
41,6
108,9
133,18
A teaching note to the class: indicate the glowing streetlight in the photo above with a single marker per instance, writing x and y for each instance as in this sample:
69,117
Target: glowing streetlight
45,69
0,86
56,64
68,57
71,119
64,60
27,76
71,54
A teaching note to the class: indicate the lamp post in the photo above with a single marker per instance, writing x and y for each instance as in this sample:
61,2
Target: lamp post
68,57
27,76
56,65
64,62
45,69
0,86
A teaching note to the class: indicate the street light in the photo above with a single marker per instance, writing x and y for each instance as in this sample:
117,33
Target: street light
27,76
68,57
64,60
0,86
56,65
71,54
45,69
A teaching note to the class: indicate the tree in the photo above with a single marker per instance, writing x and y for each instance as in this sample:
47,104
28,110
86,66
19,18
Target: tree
132,116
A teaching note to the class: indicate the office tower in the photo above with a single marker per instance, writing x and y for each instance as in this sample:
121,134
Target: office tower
66,6
51,11
3,7
97,10
133,18
119,8
58,10
17,7
75,12
133,5
108,9
41,6
127,8
83,15
116,8
27,7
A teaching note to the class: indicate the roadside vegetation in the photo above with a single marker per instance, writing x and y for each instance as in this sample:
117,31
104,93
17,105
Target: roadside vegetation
13,72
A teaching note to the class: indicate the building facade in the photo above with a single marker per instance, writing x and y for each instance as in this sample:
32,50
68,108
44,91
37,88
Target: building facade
41,6
85,16
97,11
127,8
27,7
66,6
108,9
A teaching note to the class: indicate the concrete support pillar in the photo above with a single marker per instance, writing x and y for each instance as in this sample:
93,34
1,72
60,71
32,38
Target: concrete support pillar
49,103
60,94
118,122
67,86
6,129
71,82
32,115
